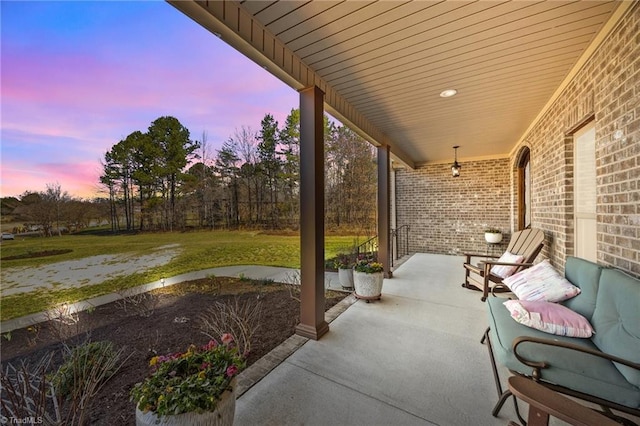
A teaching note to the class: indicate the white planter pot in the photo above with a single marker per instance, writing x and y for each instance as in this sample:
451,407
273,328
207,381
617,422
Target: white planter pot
368,286
221,416
492,238
345,276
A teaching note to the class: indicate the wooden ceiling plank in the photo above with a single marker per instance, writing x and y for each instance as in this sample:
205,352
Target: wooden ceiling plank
278,10
373,31
300,17
453,71
469,93
472,58
335,29
494,39
318,22
253,7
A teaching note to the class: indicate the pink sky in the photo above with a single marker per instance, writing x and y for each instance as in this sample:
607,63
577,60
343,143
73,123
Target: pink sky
77,77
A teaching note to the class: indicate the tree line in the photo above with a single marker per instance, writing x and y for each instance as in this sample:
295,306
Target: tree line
162,179
53,211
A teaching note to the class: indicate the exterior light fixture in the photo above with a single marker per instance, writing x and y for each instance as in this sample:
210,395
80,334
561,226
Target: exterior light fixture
455,167
448,93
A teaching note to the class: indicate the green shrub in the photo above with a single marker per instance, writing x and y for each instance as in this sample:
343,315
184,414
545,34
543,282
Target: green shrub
81,364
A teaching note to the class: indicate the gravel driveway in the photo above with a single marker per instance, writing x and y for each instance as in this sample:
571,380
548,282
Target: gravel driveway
81,272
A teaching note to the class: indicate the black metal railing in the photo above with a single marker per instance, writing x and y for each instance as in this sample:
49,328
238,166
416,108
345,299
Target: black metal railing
399,243
369,248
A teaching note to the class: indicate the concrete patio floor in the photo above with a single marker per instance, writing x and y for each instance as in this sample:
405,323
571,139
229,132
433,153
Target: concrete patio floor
412,358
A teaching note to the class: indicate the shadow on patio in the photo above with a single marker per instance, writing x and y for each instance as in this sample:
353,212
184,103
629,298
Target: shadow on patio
412,358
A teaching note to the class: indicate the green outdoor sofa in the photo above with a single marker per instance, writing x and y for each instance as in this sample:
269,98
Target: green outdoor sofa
604,369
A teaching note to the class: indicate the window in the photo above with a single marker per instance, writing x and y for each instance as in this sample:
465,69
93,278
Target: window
584,181
524,190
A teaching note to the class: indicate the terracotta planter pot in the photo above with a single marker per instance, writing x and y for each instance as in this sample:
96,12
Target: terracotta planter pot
221,416
368,286
345,276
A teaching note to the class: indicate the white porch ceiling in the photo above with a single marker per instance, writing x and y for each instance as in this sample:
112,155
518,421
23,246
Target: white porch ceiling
383,64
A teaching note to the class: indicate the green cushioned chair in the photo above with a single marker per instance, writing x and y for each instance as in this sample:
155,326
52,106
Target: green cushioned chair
604,369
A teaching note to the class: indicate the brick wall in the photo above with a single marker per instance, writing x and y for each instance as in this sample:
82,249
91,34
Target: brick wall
447,215
607,88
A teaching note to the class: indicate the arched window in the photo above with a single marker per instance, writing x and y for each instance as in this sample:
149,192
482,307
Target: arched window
524,190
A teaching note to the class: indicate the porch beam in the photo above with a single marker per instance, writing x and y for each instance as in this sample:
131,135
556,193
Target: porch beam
312,323
384,207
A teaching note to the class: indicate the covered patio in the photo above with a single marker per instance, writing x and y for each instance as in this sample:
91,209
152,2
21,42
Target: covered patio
529,79
542,91
413,358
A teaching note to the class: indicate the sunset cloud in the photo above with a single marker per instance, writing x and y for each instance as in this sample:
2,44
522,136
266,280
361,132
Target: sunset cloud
77,77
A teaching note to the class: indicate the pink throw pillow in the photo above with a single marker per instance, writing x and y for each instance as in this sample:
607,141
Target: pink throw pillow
504,271
541,282
549,317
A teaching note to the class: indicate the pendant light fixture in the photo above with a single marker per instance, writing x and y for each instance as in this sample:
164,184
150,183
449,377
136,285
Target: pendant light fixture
455,167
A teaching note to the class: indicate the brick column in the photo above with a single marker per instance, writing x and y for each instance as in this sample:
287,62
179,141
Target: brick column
312,323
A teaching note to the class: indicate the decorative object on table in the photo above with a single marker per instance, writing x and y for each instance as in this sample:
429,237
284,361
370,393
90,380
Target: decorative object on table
344,263
196,387
368,276
492,235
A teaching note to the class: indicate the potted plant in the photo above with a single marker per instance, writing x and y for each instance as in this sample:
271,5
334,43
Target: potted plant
368,276
492,235
196,387
344,264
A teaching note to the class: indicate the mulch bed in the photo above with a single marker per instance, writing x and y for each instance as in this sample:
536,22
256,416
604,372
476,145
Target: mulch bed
172,327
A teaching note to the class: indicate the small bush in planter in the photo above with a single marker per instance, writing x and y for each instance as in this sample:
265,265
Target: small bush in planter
368,266
192,381
344,261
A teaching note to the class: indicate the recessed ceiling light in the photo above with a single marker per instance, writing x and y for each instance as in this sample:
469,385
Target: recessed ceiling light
448,93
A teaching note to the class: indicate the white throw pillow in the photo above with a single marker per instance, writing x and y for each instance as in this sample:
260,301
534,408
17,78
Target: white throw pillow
541,282
549,317
504,271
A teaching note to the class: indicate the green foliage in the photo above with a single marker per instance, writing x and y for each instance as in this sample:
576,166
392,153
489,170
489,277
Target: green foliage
80,365
493,231
198,251
344,260
368,266
192,381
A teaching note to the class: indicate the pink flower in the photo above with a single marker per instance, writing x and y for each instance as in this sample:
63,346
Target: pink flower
232,370
212,344
204,366
227,338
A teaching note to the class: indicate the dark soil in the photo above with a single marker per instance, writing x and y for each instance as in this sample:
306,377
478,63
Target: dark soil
172,327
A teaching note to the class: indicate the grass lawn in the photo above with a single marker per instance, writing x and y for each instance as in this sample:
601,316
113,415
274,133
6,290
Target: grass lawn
199,250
